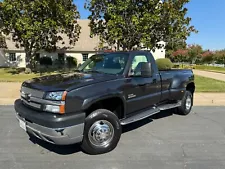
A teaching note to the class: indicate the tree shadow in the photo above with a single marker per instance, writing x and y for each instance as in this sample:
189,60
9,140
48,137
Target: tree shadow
75,148
58,149
138,124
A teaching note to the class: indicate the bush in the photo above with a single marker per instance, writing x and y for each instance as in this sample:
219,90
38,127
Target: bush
207,57
164,64
71,61
46,61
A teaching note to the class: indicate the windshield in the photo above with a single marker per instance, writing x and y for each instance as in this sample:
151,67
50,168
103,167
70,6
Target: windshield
113,63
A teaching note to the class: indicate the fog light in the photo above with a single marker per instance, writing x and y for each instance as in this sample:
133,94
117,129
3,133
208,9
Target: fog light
52,108
55,109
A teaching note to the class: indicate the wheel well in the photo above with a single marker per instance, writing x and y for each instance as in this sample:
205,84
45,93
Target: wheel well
114,104
191,87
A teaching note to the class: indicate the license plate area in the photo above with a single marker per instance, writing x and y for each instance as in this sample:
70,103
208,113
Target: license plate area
23,125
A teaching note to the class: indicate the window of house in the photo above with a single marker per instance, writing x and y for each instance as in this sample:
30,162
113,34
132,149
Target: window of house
85,56
61,58
12,57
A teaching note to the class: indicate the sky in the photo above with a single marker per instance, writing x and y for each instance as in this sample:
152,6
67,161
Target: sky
208,17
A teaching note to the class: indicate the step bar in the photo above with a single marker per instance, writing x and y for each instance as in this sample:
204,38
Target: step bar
144,114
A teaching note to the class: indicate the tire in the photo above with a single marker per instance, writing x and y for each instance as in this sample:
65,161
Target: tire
108,125
186,104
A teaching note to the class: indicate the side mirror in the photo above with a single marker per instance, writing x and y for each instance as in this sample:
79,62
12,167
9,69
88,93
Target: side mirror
146,70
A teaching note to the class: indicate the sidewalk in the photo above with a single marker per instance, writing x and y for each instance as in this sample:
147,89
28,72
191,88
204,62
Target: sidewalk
209,99
213,75
11,91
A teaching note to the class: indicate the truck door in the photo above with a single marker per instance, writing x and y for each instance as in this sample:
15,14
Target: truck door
142,92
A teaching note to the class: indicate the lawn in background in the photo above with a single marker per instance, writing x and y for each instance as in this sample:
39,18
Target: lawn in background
10,75
204,84
210,68
18,75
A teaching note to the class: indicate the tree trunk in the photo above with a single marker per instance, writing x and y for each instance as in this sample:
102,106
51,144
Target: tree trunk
29,62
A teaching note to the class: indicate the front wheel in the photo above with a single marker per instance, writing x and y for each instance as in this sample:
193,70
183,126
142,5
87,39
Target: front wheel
186,104
102,132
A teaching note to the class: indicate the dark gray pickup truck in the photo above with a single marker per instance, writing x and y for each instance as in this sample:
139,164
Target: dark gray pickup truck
109,90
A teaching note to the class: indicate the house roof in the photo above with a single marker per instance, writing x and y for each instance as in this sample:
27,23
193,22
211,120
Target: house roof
85,42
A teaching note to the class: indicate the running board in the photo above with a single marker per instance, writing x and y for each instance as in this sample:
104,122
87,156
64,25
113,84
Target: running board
148,113
139,116
169,106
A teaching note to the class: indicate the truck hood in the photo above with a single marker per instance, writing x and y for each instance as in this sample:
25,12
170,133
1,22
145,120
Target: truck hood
67,82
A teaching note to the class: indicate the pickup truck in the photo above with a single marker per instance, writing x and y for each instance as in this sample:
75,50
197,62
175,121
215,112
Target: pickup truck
90,105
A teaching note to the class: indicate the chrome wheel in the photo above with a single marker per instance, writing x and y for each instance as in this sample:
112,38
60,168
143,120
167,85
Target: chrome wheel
101,133
188,103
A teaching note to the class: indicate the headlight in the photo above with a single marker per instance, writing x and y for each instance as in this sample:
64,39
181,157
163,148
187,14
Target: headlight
56,95
57,105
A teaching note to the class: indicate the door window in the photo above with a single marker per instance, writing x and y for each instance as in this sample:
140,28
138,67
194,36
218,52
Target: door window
136,64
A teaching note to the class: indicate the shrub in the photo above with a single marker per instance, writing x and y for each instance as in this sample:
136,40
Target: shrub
207,57
219,57
71,61
164,64
46,61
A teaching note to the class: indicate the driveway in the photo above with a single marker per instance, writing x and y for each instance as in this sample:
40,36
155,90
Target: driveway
213,75
168,141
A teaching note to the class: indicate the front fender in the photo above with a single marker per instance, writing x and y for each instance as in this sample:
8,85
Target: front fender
90,101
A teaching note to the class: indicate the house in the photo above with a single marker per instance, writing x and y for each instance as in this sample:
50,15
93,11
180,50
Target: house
82,50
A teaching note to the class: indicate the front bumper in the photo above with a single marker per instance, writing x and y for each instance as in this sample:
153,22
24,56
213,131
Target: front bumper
61,135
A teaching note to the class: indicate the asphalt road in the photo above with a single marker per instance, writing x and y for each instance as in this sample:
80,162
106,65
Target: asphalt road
169,141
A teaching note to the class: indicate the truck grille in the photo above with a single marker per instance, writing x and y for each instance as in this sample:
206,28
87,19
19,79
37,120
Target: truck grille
32,92
31,97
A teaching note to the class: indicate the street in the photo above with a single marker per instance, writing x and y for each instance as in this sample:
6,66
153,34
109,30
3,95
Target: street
168,141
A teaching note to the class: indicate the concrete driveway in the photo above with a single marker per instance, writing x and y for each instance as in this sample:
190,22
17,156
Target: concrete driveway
213,75
196,141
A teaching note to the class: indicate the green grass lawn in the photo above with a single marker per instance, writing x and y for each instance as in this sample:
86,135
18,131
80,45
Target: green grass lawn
14,75
210,68
8,75
204,84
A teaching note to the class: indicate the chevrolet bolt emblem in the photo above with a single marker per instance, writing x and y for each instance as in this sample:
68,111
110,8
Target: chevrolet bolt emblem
27,97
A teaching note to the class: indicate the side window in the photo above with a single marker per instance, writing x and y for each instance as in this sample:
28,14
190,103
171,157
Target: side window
136,64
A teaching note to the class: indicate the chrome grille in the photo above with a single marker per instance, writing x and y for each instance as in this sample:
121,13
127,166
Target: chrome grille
31,97
32,92
32,104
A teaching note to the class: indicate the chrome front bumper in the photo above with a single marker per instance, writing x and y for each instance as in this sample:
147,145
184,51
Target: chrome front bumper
58,136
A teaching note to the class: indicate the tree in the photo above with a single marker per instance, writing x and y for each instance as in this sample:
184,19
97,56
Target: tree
130,23
180,55
219,57
2,38
207,57
194,53
39,25
2,41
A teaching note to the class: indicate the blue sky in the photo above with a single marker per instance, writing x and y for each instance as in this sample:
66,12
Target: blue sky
208,17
